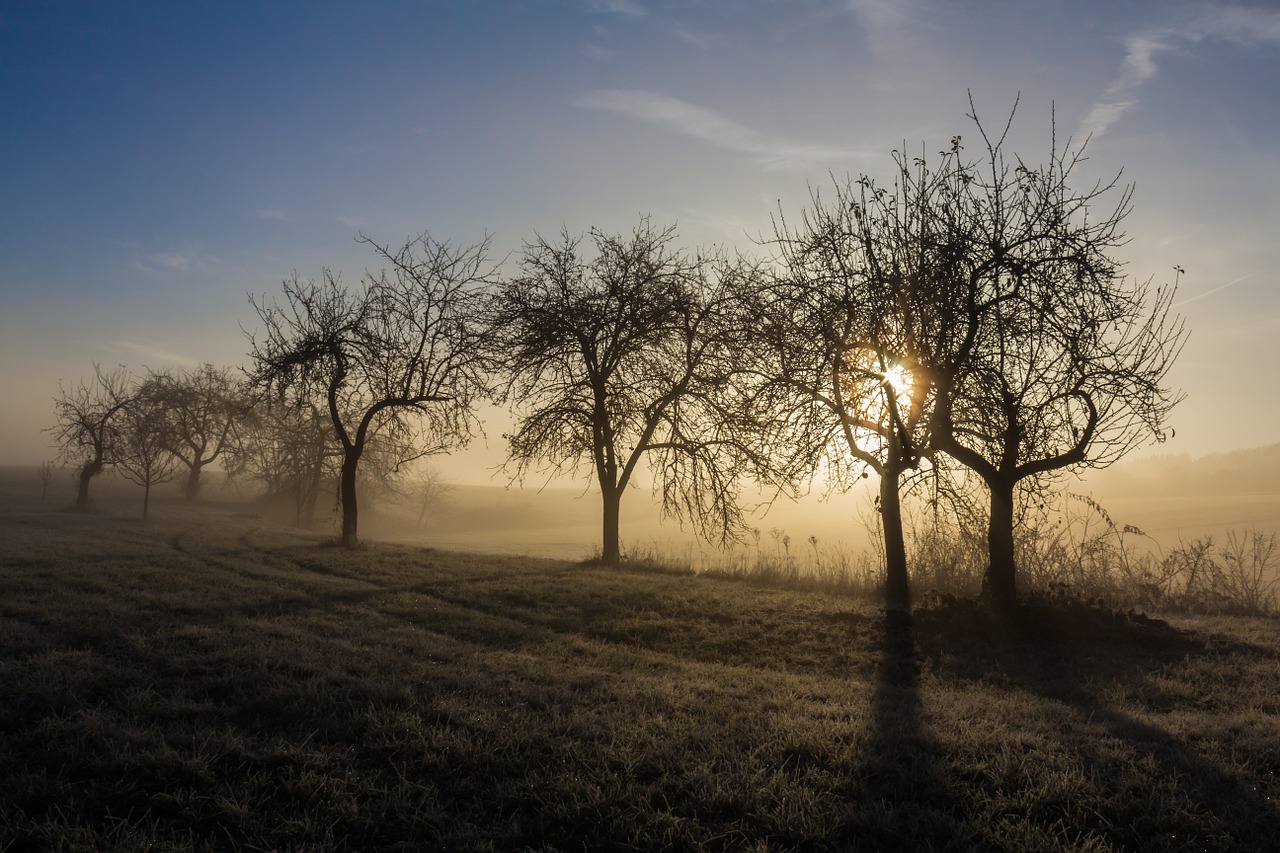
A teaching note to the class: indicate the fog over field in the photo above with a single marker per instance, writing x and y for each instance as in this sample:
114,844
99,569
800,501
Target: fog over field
1170,498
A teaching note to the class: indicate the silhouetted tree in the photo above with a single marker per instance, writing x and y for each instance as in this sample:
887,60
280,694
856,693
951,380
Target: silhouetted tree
202,410
622,355
841,328
1048,357
86,431
143,452
404,344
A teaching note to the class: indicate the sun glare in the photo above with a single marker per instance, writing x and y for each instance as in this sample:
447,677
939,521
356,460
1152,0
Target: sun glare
898,378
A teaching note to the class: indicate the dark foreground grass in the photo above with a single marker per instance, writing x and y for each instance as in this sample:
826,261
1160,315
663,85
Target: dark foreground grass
203,683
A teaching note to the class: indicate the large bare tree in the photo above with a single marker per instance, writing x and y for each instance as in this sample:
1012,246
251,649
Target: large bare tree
87,428
840,329
621,351
1050,357
402,354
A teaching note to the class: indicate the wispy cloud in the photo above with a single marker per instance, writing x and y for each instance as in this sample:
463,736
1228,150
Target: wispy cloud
351,221
272,214
190,258
711,127
152,355
625,8
1234,25
175,261
887,25
698,38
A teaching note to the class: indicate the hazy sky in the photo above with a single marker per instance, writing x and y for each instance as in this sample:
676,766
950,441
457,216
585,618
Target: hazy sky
158,161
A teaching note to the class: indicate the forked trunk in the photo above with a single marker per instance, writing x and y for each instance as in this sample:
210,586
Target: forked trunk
192,489
347,495
999,584
87,473
610,551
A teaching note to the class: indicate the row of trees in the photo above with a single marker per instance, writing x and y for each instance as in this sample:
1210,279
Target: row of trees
968,317
150,429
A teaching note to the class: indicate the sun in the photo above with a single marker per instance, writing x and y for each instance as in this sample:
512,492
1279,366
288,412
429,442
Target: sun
898,379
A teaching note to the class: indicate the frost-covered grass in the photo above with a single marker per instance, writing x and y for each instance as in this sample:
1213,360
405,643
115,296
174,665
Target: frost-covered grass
207,681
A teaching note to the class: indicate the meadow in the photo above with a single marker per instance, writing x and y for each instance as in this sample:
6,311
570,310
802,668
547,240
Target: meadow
210,680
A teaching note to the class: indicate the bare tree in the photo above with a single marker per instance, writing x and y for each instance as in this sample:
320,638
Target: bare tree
426,491
624,355
1051,358
86,431
202,411
841,327
143,454
290,449
45,472
401,355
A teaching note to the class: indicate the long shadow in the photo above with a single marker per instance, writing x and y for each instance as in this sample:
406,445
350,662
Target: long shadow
1044,649
904,802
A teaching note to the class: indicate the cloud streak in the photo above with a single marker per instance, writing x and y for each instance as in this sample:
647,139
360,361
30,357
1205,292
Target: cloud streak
147,351
1217,289
1235,25
625,8
712,128
188,259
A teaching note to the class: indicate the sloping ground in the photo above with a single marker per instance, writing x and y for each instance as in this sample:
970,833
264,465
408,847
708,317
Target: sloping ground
203,681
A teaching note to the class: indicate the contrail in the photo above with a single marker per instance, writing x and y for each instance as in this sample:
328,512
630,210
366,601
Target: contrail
1211,292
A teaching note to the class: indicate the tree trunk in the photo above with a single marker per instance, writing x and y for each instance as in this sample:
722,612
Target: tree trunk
193,481
146,499
999,585
897,586
348,497
611,552
87,473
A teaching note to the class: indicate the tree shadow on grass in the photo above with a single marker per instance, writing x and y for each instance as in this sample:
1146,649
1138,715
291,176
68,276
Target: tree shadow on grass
904,802
1071,654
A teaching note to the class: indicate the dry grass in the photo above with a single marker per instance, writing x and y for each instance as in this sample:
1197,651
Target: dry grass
206,682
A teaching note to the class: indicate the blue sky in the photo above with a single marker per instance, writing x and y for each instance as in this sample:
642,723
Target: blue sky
159,161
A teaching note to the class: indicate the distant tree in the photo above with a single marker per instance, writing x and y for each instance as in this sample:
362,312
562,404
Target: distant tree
46,477
1047,358
401,355
86,431
624,354
143,452
426,490
202,411
289,449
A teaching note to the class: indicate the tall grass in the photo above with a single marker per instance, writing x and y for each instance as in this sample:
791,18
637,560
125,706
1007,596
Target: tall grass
1075,549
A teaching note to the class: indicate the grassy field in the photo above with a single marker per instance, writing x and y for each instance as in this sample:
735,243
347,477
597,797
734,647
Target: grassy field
207,681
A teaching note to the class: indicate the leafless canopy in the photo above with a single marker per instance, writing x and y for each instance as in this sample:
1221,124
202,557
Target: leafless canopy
87,428
143,453
1050,358
203,410
624,354
840,330
400,355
